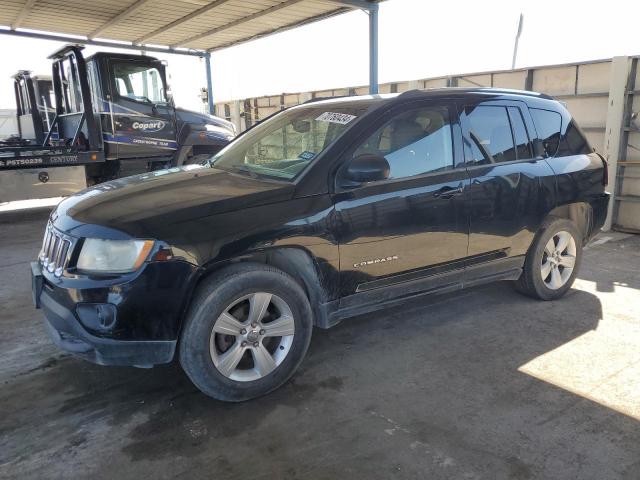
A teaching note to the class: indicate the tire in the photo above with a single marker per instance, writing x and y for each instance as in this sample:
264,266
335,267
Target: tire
541,258
240,291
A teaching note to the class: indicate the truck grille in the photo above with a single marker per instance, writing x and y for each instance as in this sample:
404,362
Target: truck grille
55,251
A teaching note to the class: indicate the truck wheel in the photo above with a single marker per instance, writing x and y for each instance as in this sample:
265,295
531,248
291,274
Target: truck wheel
553,260
246,332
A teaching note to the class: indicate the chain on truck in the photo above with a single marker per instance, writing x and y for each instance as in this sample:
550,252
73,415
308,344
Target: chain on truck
107,116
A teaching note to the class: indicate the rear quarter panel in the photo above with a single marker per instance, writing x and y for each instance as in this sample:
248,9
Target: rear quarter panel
579,178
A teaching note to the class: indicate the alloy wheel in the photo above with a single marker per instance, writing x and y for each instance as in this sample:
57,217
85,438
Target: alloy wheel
252,337
558,260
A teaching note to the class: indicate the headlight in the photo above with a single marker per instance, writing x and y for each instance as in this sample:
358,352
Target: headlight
113,256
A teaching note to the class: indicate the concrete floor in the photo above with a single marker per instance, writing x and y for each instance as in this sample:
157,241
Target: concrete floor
483,384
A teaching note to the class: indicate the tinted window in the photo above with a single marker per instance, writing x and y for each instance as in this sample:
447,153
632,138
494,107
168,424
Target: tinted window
548,125
414,142
523,145
490,131
573,142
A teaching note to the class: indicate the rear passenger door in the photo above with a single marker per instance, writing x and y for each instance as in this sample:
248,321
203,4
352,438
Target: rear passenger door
511,187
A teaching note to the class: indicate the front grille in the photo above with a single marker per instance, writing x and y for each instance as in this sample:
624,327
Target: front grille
55,251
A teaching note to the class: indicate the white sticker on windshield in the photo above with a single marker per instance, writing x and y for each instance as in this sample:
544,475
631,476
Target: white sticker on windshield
341,118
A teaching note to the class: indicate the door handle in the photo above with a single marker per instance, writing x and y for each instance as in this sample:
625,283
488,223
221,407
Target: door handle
447,192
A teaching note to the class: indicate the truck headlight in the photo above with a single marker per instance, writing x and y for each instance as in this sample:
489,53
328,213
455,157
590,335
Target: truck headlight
113,256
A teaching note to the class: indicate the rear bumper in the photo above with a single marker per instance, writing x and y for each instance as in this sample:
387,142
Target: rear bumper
599,207
69,335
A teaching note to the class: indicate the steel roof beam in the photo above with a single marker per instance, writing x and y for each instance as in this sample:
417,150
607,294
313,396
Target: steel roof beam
180,21
101,43
240,21
26,9
364,4
118,18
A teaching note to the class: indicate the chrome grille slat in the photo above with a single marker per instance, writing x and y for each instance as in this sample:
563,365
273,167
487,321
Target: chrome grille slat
45,243
55,251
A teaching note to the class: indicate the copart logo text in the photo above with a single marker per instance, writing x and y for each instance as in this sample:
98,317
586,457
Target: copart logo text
152,126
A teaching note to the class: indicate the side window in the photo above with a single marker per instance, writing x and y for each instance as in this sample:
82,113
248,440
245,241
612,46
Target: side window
415,142
93,87
573,142
490,132
548,125
139,82
523,144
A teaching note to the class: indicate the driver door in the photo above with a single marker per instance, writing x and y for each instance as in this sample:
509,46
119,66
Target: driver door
408,233
143,120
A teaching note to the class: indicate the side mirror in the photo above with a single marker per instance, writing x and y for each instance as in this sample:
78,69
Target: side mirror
368,167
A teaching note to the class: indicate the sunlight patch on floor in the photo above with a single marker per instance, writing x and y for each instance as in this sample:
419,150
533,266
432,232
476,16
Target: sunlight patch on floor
602,365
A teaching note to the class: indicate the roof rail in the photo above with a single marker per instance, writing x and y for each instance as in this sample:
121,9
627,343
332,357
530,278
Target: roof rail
318,99
506,91
411,93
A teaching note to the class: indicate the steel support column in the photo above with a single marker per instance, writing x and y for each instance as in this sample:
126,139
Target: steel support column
618,79
207,61
373,48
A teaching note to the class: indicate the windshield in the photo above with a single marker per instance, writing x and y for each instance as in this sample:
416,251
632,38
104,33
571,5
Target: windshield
283,146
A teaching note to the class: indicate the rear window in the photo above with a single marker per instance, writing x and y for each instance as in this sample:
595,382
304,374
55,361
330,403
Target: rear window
556,142
548,125
573,142
490,131
523,145
498,134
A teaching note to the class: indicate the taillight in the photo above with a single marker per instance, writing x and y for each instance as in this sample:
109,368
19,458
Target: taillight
605,172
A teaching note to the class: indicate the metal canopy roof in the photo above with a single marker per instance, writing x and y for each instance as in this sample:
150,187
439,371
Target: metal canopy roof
202,25
186,27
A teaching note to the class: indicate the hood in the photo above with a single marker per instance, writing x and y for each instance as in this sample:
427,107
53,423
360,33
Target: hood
147,205
197,118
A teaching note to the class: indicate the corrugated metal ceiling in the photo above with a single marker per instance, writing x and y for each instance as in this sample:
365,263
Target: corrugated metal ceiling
196,24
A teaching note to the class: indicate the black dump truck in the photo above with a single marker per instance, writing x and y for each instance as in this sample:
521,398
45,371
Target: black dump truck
111,114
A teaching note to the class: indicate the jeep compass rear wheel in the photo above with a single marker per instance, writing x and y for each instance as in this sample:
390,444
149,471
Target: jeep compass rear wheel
552,262
247,331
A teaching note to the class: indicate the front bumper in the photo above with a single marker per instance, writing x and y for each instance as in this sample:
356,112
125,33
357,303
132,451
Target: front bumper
69,334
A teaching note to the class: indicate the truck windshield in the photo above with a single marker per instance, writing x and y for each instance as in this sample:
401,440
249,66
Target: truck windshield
284,145
139,82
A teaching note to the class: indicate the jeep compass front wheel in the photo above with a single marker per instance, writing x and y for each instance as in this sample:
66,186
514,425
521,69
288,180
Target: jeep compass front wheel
246,333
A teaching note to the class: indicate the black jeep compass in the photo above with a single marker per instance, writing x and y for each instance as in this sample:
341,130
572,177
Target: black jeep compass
324,211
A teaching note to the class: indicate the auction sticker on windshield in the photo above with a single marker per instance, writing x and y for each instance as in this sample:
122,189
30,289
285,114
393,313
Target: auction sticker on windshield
332,117
306,155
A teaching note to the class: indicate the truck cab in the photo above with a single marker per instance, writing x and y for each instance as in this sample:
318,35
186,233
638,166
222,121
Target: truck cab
34,107
110,115
141,127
